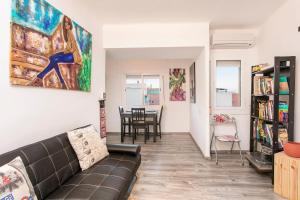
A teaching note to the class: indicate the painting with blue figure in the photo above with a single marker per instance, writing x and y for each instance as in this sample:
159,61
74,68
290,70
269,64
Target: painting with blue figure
48,49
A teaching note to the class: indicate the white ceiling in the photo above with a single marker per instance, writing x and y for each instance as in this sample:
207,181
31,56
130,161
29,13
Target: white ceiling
221,13
154,53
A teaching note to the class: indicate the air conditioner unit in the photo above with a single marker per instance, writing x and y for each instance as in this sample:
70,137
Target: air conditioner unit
232,41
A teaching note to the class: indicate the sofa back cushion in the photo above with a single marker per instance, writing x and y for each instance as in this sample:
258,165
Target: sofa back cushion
49,163
15,183
88,146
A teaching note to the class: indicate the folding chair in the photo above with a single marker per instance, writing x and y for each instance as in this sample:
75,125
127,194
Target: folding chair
223,119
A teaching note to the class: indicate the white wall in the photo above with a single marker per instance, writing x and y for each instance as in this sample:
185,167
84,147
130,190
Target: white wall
248,57
279,36
200,129
176,115
31,114
155,35
173,35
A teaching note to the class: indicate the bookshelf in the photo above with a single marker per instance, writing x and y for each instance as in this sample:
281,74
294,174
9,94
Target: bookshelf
272,112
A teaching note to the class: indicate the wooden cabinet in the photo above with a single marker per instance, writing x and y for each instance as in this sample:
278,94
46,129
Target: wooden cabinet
287,176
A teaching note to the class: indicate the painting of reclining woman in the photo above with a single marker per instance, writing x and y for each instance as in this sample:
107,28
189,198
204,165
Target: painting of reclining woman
48,49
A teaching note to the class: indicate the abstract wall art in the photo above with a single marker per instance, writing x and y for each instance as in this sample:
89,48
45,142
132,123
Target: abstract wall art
48,49
193,83
177,84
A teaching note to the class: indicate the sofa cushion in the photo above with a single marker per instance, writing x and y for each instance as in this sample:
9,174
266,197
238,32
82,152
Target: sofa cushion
88,146
14,181
49,163
106,180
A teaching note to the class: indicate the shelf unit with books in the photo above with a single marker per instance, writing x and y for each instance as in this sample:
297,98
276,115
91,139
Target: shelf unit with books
272,112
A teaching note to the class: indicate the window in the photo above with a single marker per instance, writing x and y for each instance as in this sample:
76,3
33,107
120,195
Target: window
134,90
142,90
228,83
151,90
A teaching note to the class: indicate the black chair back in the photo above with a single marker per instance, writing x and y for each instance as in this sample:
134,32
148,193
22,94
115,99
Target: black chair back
121,111
138,115
160,114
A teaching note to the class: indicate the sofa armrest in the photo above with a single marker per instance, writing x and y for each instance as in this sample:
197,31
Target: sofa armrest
124,148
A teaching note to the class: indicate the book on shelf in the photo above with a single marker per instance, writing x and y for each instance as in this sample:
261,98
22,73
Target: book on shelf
283,111
269,133
263,85
266,150
282,137
263,132
283,85
261,67
254,128
265,109
260,134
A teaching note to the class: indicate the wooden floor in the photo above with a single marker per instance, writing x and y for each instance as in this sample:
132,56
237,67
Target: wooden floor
173,168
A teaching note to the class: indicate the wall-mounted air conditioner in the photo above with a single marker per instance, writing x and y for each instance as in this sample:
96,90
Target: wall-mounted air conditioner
232,41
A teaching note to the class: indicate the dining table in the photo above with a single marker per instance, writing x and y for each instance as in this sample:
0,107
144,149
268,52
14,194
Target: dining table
150,115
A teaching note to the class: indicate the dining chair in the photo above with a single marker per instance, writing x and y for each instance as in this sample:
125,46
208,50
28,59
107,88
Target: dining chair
138,121
124,123
159,121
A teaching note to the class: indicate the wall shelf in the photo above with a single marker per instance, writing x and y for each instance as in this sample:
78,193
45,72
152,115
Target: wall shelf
262,166
263,163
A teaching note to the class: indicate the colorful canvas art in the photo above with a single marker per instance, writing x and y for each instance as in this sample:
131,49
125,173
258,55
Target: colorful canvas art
193,83
48,49
177,84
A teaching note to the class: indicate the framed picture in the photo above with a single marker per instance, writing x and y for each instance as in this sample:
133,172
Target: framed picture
177,84
48,49
193,83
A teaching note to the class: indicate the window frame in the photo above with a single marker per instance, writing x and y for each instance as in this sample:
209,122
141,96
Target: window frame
215,86
161,87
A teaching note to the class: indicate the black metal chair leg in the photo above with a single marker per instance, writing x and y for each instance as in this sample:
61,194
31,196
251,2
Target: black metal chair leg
129,129
133,135
159,131
122,134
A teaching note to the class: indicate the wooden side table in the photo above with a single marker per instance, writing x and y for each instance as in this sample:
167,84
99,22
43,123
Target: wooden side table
287,176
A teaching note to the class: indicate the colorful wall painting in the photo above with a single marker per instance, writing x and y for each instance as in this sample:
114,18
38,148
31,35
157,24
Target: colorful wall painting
193,83
48,49
177,84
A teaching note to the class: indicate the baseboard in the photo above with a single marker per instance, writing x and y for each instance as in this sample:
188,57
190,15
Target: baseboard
164,133
207,158
113,133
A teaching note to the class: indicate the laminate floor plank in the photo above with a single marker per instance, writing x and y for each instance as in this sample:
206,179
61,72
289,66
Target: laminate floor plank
173,168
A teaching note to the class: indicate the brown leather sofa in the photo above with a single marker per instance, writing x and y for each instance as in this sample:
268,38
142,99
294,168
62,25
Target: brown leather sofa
54,170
